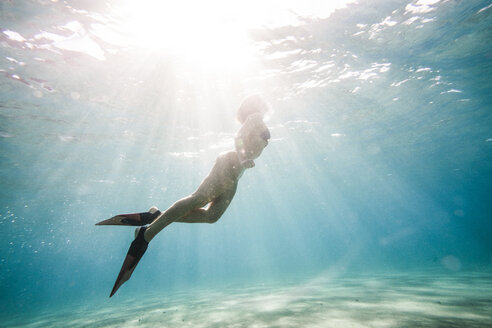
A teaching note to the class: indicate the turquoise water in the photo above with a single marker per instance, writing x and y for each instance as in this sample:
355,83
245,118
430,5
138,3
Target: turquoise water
370,207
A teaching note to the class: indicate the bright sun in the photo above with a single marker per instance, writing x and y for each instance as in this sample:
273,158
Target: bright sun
212,33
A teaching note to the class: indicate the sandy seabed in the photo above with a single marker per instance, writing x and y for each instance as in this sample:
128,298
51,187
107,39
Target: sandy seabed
380,300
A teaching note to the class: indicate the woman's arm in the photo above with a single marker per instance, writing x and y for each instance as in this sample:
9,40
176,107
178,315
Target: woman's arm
252,138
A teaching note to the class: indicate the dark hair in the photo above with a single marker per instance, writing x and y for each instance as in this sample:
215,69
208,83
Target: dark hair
251,105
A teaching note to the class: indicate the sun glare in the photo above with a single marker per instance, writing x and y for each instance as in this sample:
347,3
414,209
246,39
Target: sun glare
204,33
212,33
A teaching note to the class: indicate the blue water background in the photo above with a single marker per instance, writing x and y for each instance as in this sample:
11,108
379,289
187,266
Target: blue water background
380,159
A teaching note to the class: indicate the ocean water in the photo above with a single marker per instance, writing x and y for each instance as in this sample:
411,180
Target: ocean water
371,206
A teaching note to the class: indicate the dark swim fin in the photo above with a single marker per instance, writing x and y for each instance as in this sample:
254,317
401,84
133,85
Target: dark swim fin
135,252
133,219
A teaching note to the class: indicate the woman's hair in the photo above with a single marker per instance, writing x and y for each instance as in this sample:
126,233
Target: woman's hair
251,105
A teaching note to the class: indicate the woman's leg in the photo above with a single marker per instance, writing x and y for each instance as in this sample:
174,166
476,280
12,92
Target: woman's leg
213,212
199,215
220,184
174,213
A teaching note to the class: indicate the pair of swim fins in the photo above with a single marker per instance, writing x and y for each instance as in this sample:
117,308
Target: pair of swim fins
137,247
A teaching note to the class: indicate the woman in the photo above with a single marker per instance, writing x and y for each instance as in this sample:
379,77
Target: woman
213,196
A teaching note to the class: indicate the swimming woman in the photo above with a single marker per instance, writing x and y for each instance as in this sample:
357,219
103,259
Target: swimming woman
213,196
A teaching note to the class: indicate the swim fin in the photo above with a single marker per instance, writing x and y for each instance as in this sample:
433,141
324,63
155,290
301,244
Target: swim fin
133,219
135,252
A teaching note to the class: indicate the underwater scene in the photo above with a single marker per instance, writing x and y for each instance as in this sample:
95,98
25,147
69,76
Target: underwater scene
370,206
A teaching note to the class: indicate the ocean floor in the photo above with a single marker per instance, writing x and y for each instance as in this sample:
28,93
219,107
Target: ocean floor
380,300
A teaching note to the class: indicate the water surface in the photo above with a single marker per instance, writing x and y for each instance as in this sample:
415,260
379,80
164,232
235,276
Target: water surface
378,173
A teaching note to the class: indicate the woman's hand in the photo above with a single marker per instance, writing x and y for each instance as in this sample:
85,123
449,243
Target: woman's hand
248,163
